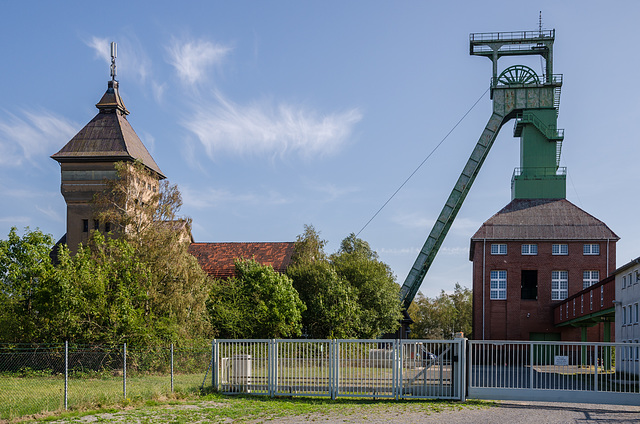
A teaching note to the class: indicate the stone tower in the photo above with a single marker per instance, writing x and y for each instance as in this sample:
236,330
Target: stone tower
88,159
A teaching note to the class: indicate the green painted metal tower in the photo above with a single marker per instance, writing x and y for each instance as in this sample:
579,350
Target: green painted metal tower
539,175
532,101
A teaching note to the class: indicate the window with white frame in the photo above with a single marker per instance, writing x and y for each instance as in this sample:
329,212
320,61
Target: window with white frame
529,249
637,308
498,285
498,249
559,285
589,278
637,277
624,315
560,249
591,249
624,281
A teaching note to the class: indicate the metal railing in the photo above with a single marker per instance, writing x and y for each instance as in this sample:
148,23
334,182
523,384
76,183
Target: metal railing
512,35
569,371
550,132
340,368
44,378
535,172
555,80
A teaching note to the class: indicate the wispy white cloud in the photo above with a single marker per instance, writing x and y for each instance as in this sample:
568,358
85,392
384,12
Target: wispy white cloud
158,90
8,191
214,198
132,59
32,136
331,191
263,128
193,58
101,47
449,251
415,220
16,220
454,251
399,251
52,213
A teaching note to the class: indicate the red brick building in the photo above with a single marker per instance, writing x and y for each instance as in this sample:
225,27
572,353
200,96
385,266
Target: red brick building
526,259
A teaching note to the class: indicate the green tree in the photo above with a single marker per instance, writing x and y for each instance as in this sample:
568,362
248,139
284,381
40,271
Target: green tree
332,309
332,304
25,266
177,288
378,294
97,296
136,201
258,303
309,247
107,297
442,316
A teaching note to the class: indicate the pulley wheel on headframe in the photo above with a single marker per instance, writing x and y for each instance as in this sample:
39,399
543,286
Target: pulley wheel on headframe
518,75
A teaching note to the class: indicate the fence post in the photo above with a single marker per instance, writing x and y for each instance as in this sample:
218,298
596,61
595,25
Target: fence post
215,369
124,371
531,354
66,374
595,362
396,364
462,361
333,376
273,367
171,367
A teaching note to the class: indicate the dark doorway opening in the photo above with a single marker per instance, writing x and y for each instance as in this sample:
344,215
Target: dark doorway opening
529,285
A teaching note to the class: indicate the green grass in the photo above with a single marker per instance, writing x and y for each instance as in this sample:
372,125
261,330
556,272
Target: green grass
21,396
149,399
220,408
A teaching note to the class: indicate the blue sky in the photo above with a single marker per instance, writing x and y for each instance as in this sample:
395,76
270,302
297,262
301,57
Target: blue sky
274,114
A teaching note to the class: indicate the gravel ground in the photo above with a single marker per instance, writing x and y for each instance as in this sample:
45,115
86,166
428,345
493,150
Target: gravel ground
505,412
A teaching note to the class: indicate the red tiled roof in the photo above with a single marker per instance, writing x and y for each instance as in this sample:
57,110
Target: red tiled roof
218,259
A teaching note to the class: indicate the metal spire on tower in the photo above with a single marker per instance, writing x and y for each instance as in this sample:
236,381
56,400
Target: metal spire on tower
540,23
114,54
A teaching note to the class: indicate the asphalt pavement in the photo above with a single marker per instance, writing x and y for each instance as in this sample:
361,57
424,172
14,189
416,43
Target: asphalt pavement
512,412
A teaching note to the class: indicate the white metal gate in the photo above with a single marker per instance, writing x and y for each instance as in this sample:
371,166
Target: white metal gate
341,368
555,371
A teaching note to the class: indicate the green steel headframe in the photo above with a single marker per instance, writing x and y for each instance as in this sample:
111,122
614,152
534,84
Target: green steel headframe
517,93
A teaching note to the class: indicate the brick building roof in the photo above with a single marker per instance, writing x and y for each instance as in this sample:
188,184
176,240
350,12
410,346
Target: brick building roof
218,259
542,219
108,136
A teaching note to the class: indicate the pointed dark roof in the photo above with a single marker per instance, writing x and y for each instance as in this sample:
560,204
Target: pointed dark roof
218,259
542,219
108,136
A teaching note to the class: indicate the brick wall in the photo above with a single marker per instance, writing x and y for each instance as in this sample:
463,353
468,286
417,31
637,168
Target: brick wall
515,318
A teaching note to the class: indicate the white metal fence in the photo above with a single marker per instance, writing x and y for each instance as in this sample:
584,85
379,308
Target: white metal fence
340,368
555,371
38,378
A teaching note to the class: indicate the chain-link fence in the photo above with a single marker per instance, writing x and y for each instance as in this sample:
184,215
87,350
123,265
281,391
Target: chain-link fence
40,378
